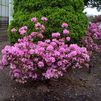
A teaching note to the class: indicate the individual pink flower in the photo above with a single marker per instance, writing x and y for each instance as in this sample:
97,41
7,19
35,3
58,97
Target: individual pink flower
52,59
33,34
52,73
44,19
62,40
64,25
40,36
50,48
74,46
71,54
17,75
65,32
62,49
23,30
37,25
42,28
59,63
31,51
48,41
55,35
13,30
53,44
40,64
13,66
25,27
56,53
68,38
34,19
34,76
36,59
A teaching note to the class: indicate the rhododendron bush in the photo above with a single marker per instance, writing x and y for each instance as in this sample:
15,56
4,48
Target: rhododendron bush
42,58
92,36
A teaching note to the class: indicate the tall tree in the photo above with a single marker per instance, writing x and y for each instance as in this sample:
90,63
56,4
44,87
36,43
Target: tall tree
93,3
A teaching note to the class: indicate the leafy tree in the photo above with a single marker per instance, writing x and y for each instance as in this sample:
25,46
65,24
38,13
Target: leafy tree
93,3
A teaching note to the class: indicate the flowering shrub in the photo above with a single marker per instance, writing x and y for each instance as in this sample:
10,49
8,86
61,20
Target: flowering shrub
44,59
89,40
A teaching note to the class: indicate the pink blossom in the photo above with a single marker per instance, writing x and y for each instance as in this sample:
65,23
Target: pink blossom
34,19
52,59
53,44
36,59
52,73
42,28
50,48
13,66
68,38
64,25
34,76
56,53
65,32
74,46
17,75
25,27
59,63
13,30
73,53
44,19
55,35
31,51
40,36
23,30
33,34
37,25
47,40
62,50
40,64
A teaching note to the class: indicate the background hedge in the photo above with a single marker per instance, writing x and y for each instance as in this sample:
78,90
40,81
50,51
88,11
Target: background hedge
57,11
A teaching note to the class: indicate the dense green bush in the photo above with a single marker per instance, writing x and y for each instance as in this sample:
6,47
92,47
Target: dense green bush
57,11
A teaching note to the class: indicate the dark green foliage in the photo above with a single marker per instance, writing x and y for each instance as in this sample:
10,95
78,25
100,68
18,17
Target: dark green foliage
57,12
85,2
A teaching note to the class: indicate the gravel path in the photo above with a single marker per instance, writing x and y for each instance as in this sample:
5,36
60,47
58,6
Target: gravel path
76,85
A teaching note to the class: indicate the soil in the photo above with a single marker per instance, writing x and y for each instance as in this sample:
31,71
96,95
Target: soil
76,85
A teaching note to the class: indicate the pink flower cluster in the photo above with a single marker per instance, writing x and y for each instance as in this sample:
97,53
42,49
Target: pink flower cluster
44,19
23,30
46,59
92,36
13,30
95,31
64,25
65,33
56,35
38,26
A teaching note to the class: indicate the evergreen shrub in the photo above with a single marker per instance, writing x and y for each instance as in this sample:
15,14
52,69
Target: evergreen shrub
56,11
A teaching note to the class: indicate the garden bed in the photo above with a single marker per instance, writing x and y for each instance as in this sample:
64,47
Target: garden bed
77,85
